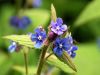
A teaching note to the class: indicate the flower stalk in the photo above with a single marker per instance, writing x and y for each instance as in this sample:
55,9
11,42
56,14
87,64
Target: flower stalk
26,62
25,52
42,59
45,47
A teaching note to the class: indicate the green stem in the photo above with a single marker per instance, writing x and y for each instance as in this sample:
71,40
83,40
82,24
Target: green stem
41,61
48,56
26,62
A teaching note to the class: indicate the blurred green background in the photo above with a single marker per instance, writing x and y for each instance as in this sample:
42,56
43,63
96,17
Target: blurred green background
83,18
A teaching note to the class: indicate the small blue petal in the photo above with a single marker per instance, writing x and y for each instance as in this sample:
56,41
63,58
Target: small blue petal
69,52
53,24
37,30
74,48
38,45
43,34
70,39
59,21
57,51
59,32
12,47
33,37
57,41
64,27
66,47
54,30
73,54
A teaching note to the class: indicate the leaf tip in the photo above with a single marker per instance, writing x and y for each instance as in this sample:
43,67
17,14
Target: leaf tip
53,13
75,70
68,61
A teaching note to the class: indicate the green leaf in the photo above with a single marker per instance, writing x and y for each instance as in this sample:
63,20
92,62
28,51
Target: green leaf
21,69
91,12
53,60
21,39
67,60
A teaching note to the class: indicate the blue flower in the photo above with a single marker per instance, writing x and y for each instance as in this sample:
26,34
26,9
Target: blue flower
20,23
12,47
66,44
38,37
61,44
37,3
58,27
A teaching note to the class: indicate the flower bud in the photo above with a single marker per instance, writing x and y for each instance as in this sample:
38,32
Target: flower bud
52,36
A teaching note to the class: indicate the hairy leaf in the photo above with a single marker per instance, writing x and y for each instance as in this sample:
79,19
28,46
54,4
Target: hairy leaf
67,60
53,60
21,39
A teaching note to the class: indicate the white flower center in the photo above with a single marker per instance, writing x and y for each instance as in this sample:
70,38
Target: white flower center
60,46
40,37
57,28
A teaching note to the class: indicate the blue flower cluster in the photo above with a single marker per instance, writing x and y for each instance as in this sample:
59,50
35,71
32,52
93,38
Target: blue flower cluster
20,23
61,44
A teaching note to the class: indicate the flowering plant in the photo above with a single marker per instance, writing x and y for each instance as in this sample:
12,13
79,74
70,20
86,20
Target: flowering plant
58,42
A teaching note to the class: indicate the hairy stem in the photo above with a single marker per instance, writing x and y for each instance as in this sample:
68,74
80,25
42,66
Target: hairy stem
41,61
